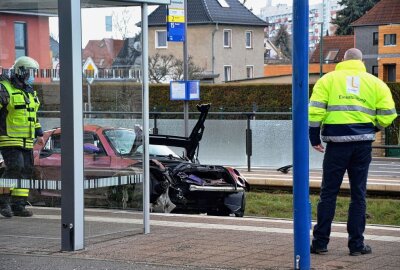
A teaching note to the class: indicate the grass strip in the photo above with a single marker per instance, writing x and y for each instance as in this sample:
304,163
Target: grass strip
384,211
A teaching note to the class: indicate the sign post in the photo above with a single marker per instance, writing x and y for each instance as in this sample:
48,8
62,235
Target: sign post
301,204
90,71
177,32
89,81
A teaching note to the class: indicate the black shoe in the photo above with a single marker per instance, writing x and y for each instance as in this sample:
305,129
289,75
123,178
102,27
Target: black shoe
6,211
315,250
365,250
20,210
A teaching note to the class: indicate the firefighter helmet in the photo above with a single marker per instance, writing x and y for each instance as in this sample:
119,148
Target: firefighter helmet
24,64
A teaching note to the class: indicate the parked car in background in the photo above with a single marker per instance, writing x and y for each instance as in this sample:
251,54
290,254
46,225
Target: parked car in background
177,183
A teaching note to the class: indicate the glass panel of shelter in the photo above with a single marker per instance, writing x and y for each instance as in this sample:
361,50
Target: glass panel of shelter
113,88
112,93
25,32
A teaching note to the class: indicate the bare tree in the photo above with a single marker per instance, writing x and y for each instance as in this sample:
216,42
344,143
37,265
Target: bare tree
193,69
165,67
121,22
160,67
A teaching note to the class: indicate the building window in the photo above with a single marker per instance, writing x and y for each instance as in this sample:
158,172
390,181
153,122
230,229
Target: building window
161,39
249,39
20,39
228,73
331,56
108,23
249,72
375,39
389,39
375,71
389,73
227,38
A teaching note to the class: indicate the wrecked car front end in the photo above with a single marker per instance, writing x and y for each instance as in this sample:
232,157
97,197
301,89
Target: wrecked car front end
193,187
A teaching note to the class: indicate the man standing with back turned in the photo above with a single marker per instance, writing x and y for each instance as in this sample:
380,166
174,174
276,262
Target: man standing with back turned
350,105
18,128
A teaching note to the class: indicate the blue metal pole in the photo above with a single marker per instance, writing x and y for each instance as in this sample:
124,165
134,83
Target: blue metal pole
301,205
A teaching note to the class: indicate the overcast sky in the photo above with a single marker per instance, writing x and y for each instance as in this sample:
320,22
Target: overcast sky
258,4
93,19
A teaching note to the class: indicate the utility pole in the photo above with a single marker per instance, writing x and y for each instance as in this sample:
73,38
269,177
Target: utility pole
321,51
185,72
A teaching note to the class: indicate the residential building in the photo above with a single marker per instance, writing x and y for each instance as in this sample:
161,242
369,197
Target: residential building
282,14
224,38
24,34
272,54
55,59
377,35
129,59
102,53
333,50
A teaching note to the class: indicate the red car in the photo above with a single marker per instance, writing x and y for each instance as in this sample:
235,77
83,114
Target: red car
104,153
178,184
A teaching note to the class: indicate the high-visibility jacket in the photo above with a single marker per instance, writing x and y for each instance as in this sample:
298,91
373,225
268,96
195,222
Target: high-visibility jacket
19,122
350,104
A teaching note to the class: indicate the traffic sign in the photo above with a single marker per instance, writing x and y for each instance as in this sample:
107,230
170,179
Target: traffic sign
176,21
176,32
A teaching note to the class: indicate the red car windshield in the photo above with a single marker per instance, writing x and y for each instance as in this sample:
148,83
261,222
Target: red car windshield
121,140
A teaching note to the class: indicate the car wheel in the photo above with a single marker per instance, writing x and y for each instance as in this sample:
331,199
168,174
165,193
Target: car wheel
240,213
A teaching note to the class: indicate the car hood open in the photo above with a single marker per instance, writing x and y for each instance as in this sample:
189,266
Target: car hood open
190,143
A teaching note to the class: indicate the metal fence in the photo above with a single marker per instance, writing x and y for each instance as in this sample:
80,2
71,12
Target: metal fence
245,139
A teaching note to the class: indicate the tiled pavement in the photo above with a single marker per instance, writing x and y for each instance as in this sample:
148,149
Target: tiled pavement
115,241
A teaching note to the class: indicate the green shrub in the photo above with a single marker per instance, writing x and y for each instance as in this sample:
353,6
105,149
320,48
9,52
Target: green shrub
127,96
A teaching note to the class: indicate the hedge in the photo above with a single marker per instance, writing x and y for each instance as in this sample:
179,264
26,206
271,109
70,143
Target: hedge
121,96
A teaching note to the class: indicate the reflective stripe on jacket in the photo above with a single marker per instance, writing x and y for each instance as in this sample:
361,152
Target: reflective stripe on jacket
350,104
19,192
20,120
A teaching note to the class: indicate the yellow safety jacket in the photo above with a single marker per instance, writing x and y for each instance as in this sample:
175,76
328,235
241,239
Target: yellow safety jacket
18,129
350,104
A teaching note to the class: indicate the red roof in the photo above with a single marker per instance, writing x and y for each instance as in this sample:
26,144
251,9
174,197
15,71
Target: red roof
103,52
384,12
339,44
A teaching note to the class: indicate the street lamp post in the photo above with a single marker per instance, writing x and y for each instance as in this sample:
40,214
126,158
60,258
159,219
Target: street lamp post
321,45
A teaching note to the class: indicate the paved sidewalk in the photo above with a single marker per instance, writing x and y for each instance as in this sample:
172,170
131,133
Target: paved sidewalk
115,241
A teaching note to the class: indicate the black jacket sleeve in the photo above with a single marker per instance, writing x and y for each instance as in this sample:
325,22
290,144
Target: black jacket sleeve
314,135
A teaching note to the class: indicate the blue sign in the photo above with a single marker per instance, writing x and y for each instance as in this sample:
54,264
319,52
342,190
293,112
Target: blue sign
176,32
185,90
193,90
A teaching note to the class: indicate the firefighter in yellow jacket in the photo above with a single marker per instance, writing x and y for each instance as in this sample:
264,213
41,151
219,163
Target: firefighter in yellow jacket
347,107
19,127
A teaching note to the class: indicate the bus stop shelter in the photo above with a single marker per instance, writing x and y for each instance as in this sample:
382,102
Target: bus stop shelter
26,30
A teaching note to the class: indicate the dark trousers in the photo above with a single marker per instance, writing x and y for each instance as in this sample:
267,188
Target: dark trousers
19,164
354,157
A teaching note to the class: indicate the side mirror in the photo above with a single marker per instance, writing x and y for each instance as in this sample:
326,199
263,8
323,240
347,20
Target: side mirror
90,148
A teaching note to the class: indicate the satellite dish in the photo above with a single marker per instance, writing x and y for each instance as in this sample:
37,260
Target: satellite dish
137,46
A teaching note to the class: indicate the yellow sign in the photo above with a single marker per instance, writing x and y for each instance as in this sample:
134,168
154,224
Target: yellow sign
177,19
90,67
